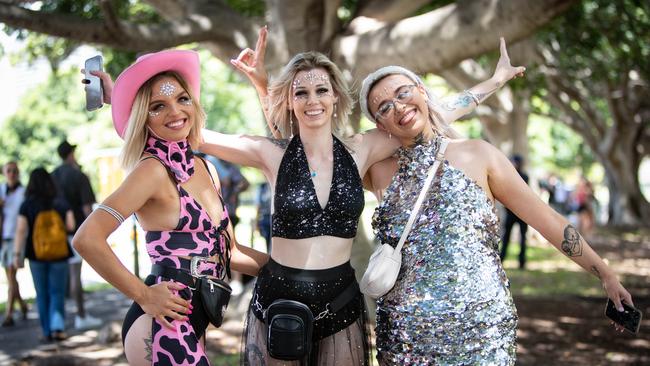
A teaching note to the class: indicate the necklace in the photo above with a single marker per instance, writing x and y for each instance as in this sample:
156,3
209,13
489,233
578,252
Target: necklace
312,172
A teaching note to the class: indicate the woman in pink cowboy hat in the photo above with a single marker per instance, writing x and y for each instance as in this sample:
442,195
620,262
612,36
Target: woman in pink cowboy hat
176,198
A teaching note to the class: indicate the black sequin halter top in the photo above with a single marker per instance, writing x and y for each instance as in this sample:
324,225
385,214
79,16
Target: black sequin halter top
297,212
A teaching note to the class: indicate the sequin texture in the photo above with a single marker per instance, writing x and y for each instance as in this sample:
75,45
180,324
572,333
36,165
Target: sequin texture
298,214
451,304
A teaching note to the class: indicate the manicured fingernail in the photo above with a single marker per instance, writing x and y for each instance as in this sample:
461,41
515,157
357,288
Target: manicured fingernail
189,311
191,306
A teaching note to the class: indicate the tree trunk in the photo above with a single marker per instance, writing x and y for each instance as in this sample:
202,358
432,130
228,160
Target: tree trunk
627,205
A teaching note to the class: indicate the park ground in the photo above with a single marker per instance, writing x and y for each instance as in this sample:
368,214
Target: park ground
560,311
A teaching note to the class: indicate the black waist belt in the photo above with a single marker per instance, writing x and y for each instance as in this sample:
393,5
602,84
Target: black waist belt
344,297
172,273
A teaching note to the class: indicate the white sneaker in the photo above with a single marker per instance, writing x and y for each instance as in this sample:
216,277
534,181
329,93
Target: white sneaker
87,322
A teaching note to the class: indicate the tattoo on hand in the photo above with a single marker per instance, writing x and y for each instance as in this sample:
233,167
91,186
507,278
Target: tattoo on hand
572,243
281,143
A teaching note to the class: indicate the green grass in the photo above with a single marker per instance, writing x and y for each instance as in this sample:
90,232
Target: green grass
551,283
225,360
548,273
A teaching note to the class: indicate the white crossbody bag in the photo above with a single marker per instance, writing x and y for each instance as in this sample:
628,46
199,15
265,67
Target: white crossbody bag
385,262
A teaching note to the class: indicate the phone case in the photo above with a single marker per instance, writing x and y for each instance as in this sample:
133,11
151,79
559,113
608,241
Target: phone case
630,318
94,93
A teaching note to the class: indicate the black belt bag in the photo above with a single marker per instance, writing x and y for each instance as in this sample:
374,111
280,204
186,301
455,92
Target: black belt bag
291,324
214,293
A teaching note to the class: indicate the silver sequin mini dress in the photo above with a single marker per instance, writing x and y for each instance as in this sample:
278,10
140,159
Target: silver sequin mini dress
451,304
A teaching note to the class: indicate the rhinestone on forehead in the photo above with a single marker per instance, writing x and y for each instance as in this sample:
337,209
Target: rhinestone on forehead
167,89
312,78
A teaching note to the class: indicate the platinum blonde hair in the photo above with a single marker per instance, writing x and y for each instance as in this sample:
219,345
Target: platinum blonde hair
280,92
438,124
136,134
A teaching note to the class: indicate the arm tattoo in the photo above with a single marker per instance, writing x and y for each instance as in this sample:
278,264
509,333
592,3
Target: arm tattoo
596,272
572,243
462,101
148,349
281,143
482,96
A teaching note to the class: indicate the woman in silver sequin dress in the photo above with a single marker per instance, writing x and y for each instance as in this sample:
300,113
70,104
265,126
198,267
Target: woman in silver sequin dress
451,304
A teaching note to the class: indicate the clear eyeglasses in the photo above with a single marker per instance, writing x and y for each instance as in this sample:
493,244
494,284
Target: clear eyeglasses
403,95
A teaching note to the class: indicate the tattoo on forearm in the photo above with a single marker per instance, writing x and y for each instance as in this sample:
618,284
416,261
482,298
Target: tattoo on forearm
596,272
462,101
148,348
282,143
572,243
482,96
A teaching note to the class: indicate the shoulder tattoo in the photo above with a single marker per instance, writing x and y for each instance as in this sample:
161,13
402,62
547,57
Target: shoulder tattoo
281,143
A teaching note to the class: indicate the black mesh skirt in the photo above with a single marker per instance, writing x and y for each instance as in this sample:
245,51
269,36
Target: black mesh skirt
342,338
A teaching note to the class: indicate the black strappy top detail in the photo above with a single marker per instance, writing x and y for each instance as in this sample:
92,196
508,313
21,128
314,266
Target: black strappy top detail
297,212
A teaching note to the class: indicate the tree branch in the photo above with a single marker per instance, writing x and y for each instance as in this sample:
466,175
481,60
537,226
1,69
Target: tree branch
462,31
388,10
231,34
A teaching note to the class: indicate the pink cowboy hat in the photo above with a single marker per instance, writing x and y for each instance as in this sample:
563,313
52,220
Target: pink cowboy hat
185,63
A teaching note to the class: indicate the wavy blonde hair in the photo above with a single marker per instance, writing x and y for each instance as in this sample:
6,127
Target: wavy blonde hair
136,134
280,92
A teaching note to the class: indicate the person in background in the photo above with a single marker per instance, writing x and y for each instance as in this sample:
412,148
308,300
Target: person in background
512,219
74,186
238,184
263,219
50,276
583,200
11,197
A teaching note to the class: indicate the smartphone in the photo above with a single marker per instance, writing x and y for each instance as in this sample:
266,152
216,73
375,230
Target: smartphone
94,92
629,318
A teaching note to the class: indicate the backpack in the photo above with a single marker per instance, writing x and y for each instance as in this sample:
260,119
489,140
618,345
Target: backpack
50,237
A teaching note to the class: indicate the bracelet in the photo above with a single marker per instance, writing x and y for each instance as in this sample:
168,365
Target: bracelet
473,96
118,216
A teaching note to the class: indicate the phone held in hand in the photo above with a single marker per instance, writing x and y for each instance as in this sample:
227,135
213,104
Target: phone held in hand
629,318
94,92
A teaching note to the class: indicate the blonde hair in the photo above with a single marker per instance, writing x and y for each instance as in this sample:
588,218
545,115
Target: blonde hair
280,92
136,134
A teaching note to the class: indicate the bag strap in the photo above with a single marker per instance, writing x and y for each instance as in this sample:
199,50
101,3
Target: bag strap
432,172
331,307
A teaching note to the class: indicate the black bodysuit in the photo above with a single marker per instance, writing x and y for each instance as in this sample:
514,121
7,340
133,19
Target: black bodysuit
297,213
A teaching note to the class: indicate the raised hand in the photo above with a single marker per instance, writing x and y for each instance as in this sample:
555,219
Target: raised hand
504,70
107,83
161,303
251,63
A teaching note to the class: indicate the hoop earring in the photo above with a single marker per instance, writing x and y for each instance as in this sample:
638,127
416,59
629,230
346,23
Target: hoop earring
335,110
